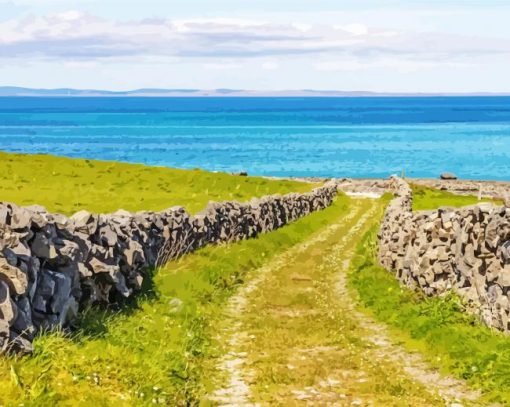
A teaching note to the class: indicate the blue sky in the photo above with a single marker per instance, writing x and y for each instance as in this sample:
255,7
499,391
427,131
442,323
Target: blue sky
403,46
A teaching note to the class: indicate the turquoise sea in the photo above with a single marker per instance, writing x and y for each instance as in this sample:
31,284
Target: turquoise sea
351,137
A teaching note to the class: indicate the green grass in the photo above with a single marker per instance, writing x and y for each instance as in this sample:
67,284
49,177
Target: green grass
156,350
429,199
67,185
437,327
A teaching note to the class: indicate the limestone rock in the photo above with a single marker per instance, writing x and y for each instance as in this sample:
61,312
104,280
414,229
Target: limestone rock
4,336
504,277
84,222
19,345
8,311
98,266
20,218
43,247
107,236
448,176
15,279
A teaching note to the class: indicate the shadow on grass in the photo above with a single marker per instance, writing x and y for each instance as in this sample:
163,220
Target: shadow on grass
93,321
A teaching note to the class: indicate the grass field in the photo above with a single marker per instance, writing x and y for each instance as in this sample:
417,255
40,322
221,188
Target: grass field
67,185
425,198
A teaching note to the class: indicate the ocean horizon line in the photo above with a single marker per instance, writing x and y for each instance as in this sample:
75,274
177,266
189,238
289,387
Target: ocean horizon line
15,91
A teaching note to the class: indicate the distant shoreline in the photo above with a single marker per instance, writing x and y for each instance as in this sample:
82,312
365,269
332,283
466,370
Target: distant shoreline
12,91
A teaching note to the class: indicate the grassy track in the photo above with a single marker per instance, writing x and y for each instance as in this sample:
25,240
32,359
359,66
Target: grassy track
67,185
290,336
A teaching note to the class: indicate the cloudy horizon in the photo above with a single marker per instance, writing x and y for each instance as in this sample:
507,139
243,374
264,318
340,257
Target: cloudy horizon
378,46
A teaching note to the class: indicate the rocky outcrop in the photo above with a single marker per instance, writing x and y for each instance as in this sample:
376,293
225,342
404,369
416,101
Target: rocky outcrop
52,265
466,250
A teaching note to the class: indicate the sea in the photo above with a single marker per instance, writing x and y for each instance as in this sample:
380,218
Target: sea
296,137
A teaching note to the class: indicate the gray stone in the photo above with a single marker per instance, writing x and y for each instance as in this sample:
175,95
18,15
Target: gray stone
84,271
8,311
448,176
45,290
13,277
62,291
107,236
19,345
504,277
21,250
10,256
23,323
68,252
4,336
36,209
134,253
98,266
68,312
84,222
122,213
43,247
20,218
505,252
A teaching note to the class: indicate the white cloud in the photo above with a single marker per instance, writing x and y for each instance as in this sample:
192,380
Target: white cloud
270,66
222,66
304,27
399,65
76,35
354,28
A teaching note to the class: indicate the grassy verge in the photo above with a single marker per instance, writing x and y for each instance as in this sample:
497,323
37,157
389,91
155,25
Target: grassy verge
437,327
155,350
67,185
428,199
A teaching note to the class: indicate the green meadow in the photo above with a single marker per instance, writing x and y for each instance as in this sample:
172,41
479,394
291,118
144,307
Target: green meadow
425,198
66,185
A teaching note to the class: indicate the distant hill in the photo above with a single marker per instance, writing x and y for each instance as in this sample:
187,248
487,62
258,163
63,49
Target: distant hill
155,92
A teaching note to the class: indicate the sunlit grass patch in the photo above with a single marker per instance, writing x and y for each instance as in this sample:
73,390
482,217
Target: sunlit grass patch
68,185
425,198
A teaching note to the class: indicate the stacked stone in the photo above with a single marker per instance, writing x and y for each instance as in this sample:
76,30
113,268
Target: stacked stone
466,250
397,226
51,265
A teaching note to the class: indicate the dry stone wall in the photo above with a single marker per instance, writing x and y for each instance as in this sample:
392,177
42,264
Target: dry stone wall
466,250
51,266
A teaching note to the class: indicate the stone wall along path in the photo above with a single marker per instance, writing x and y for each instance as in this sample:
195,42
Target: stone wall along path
51,266
466,250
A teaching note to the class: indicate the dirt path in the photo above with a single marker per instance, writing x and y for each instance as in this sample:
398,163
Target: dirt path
292,335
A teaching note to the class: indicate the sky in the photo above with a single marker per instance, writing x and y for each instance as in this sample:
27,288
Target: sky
352,45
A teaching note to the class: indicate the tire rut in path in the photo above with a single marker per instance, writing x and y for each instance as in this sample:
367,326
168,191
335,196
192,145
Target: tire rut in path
306,368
